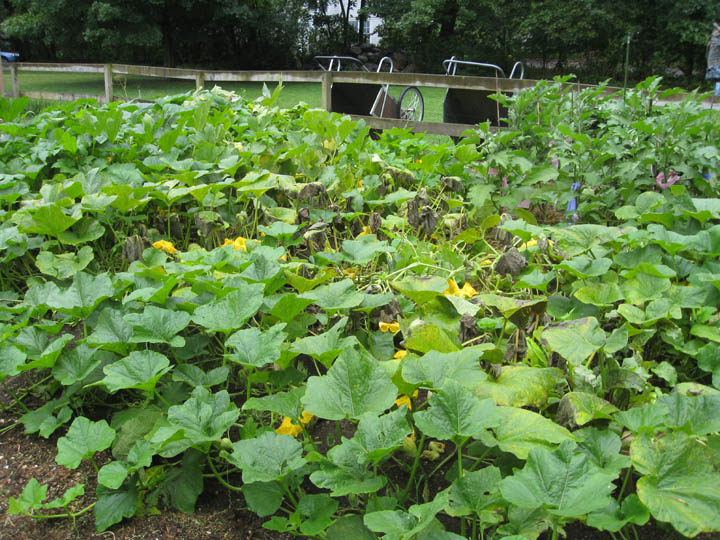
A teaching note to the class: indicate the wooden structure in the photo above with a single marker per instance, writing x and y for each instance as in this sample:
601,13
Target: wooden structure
325,78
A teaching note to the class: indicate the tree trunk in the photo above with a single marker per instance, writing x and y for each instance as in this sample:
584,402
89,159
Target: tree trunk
362,18
447,17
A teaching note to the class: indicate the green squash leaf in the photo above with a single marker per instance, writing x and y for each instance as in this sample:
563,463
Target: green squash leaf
455,414
140,370
356,384
565,482
82,441
267,458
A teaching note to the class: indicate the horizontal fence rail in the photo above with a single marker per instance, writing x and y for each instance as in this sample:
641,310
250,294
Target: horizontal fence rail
324,78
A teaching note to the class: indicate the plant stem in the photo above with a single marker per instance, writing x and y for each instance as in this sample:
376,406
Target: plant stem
220,478
67,514
414,468
15,398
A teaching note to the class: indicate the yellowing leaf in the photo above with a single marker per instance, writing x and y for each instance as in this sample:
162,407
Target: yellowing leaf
166,246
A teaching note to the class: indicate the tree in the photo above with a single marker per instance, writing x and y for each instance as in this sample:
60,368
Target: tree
49,29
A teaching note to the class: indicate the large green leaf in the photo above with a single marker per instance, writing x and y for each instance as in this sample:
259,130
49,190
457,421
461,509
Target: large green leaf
456,414
111,332
255,347
378,436
424,337
327,346
697,415
476,492
576,341
82,441
434,368
263,498
585,267
115,504
205,416
50,220
11,358
140,370
317,509
356,384
519,431
680,484
399,525
335,296
603,447
364,249
76,365
282,403
421,290
231,312
615,516
520,386
344,472
80,298
158,325
266,458
582,407
64,265
565,482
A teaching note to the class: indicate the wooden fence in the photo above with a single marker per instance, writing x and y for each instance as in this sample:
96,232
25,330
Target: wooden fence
324,78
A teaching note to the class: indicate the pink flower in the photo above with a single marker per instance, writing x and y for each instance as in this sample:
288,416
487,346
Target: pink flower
673,177
555,162
493,171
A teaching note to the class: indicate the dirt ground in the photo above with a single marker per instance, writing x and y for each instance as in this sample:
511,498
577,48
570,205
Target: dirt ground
219,513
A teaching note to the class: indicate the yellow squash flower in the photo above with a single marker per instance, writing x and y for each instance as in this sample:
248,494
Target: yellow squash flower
166,246
393,327
400,354
405,400
486,262
365,231
238,243
467,290
288,427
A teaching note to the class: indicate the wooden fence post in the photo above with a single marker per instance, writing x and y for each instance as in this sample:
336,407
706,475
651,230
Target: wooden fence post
326,95
108,73
15,83
2,79
199,80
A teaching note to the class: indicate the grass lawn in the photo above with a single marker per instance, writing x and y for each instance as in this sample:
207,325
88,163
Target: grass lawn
149,88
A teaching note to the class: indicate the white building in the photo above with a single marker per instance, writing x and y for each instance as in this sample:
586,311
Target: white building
370,25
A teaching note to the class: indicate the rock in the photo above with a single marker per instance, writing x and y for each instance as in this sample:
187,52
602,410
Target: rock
356,50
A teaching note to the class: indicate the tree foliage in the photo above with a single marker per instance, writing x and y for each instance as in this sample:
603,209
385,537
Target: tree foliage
588,37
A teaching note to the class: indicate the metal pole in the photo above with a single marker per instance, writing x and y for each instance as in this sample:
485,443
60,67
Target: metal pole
2,80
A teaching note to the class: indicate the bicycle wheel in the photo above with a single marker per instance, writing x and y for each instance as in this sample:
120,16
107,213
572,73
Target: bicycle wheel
412,106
